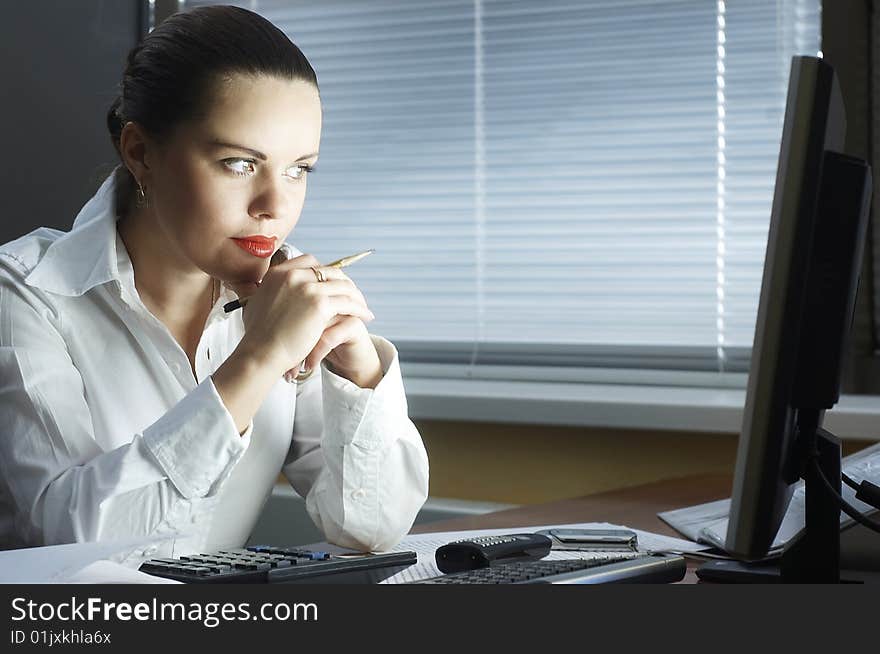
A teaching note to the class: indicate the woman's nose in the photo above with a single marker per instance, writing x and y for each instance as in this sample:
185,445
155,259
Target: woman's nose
270,201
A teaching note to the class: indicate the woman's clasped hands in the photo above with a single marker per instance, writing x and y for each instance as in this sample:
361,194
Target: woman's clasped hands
293,320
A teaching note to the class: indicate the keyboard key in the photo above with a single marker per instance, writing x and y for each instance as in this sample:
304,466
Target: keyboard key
526,571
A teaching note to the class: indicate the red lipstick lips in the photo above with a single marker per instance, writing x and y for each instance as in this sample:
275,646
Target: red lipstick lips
259,246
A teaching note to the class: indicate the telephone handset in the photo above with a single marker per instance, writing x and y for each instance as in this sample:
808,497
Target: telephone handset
481,552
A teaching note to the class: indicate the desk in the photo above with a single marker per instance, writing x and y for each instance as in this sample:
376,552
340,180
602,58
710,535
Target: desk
635,507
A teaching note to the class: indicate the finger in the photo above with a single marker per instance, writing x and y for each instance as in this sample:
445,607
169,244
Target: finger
298,277
302,261
342,332
331,272
335,320
282,254
327,273
322,275
284,275
342,305
340,287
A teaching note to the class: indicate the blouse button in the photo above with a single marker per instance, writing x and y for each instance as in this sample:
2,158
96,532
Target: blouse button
359,494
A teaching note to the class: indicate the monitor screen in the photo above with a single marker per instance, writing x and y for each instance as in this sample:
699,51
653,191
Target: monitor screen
767,464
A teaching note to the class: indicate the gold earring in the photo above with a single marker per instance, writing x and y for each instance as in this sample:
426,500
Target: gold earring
140,196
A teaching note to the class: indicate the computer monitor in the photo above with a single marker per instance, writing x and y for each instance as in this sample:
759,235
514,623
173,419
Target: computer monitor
814,250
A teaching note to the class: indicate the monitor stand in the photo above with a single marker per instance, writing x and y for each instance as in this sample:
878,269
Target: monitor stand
813,556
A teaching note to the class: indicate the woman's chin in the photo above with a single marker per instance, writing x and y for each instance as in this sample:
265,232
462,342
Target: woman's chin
249,277
242,287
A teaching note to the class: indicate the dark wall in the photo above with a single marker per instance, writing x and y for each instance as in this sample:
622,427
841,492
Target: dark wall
846,44
60,62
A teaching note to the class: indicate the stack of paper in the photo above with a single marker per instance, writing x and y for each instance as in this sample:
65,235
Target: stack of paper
707,523
72,563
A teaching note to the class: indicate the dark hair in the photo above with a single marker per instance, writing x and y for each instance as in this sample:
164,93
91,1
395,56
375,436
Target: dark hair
170,72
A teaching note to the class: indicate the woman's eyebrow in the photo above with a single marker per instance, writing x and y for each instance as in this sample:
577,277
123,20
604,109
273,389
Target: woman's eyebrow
235,146
256,153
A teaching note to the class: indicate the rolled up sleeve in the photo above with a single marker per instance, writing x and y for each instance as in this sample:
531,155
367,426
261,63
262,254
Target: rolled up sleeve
357,457
62,485
197,465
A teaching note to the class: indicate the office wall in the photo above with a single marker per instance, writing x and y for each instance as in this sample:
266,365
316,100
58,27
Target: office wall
526,464
60,62
846,36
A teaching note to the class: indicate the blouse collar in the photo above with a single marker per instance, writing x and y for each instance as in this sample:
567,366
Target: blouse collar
92,253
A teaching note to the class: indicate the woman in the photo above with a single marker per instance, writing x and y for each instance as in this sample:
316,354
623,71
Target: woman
134,405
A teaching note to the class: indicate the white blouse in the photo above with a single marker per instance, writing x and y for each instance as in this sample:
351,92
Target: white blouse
108,435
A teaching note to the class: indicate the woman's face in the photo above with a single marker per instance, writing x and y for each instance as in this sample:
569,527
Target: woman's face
238,171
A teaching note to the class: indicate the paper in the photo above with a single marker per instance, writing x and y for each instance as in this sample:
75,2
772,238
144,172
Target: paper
707,523
425,545
109,572
61,563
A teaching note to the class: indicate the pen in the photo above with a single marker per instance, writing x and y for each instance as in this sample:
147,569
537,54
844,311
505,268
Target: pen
339,263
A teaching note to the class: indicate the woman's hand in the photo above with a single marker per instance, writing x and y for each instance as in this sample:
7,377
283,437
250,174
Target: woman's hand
349,352
292,319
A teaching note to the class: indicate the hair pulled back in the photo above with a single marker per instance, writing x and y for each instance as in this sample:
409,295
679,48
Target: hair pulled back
170,74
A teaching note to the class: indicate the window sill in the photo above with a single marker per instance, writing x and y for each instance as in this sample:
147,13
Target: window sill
619,406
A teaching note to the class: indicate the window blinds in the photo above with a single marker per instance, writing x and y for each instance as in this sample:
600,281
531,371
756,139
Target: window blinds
559,184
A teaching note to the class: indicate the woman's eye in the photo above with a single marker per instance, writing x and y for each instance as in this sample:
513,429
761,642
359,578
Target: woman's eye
299,171
241,166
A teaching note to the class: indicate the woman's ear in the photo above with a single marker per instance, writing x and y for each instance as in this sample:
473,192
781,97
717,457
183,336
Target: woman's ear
134,145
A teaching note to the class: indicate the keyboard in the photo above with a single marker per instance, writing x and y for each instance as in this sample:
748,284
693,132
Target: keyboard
643,568
288,565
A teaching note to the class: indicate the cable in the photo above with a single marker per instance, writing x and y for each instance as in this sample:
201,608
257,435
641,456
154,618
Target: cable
865,491
849,481
844,505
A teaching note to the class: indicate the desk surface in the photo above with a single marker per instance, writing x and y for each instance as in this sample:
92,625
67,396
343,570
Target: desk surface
635,507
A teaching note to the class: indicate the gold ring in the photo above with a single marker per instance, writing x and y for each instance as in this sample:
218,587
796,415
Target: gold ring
319,274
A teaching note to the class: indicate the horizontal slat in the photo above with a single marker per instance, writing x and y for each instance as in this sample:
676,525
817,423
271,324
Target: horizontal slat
542,182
